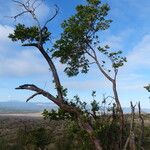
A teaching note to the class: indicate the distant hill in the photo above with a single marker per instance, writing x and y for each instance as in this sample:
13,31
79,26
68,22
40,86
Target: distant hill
30,107
128,110
23,107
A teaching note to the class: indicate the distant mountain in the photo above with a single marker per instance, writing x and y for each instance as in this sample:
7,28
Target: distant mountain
128,110
30,107
23,107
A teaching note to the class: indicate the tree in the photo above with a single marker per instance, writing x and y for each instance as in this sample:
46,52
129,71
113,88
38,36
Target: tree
79,46
36,36
80,40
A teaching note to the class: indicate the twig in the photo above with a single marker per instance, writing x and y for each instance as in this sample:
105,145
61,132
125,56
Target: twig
38,93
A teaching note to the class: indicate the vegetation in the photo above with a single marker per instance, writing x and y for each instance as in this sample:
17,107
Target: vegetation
62,134
98,127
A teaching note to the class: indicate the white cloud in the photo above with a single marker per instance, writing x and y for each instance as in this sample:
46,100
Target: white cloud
4,32
116,41
23,63
139,57
135,74
86,85
113,41
17,61
5,42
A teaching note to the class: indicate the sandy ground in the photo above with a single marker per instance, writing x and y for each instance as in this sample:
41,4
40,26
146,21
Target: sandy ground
23,115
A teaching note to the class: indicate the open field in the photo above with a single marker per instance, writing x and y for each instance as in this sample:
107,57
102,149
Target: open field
12,124
30,115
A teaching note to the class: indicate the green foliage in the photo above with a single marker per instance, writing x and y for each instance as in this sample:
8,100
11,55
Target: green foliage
95,106
115,57
59,114
80,31
107,129
29,34
105,125
94,2
147,87
79,136
40,138
37,137
76,102
3,144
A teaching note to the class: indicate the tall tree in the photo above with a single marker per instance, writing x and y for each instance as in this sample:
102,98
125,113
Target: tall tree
79,46
36,36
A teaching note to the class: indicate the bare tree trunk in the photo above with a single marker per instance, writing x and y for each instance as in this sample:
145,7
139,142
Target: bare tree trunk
141,128
114,87
54,71
119,108
117,98
131,138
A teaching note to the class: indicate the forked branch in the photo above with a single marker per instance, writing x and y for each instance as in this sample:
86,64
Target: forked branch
38,90
32,96
30,6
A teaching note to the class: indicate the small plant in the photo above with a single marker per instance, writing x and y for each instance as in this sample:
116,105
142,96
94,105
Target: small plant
38,138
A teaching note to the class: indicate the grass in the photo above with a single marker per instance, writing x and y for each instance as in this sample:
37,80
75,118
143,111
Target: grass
56,130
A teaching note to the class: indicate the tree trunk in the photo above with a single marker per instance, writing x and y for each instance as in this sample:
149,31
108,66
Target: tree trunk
54,71
88,128
121,115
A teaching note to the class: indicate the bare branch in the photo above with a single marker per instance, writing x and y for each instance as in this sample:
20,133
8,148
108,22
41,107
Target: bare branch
131,138
34,88
56,12
126,144
30,44
28,7
18,15
141,127
33,96
18,2
94,56
90,54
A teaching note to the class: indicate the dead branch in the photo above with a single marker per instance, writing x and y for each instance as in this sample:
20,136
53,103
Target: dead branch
34,88
33,96
55,14
127,142
28,7
131,138
141,128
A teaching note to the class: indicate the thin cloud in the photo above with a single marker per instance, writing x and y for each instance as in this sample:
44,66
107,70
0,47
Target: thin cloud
24,63
139,57
15,61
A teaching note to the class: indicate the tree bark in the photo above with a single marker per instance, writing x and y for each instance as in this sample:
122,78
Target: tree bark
54,71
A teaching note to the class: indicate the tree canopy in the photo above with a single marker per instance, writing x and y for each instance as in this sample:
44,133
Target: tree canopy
80,31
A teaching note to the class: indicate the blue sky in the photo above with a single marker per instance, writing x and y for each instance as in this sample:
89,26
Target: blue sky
129,32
